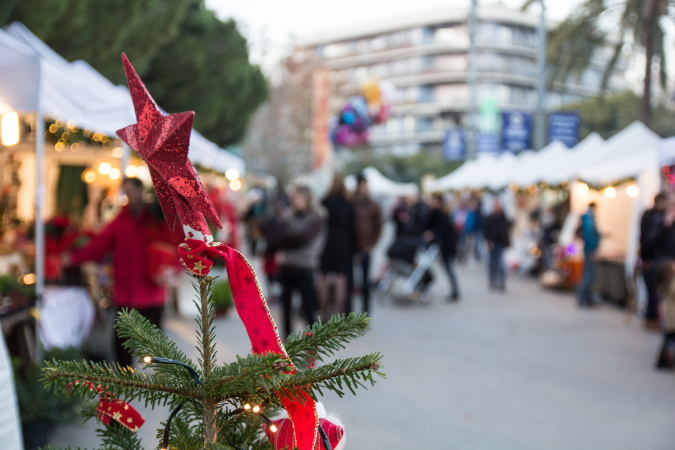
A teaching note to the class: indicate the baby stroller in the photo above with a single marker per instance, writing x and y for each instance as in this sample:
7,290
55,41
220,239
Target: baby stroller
408,277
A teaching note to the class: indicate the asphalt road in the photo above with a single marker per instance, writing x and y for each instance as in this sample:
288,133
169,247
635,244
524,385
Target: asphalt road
522,370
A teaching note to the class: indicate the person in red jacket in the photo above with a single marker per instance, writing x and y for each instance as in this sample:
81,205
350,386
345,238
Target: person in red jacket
133,238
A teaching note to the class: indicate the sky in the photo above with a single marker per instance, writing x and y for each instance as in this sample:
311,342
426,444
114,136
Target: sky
270,24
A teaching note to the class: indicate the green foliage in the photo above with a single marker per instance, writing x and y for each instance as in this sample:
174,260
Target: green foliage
189,59
35,402
222,294
255,379
586,32
609,115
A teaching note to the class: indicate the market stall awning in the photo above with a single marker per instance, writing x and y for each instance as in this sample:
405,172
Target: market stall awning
77,92
381,186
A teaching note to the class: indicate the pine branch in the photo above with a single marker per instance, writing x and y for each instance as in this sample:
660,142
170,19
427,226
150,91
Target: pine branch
326,339
350,372
124,383
247,377
116,437
145,339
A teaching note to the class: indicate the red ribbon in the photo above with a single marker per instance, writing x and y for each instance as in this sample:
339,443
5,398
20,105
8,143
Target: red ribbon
261,329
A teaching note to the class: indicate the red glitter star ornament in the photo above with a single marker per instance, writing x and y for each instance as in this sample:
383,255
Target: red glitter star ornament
162,141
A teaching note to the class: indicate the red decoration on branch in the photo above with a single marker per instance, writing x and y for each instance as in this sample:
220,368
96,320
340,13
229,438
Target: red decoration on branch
119,411
282,438
162,141
110,408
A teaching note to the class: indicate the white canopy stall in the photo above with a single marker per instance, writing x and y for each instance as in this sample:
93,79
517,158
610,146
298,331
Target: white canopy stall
35,80
629,165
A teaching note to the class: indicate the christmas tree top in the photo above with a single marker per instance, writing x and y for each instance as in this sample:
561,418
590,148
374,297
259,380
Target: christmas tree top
213,406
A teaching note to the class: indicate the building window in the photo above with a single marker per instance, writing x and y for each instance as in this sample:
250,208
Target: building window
426,94
457,35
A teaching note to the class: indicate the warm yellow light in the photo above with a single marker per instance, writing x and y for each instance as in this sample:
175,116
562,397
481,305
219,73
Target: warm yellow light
53,128
247,407
273,428
74,147
632,190
104,168
256,409
29,278
232,174
89,176
583,188
59,146
610,192
235,185
9,126
147,359
114,174
71,124
131,171
117,152
143,173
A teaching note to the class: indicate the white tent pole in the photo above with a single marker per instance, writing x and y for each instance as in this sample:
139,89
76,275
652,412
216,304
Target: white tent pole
39,200
126,158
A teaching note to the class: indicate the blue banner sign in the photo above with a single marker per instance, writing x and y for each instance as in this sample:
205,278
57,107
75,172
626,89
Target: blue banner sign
516,131
454,145
564,127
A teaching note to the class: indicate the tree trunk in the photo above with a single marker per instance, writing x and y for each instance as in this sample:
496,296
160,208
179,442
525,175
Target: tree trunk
210,406
649,24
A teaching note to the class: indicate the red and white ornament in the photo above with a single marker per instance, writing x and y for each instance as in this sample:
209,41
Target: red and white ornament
282,438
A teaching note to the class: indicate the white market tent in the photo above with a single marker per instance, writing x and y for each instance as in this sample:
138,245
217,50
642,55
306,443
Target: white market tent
463,176
36,80
381,186
632,154
76,91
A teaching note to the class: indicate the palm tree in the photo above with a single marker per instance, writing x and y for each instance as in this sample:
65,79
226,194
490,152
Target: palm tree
616,24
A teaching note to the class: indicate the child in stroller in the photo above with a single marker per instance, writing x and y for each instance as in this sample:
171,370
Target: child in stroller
409,274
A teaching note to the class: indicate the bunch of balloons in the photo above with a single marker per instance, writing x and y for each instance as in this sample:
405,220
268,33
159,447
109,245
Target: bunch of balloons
371,107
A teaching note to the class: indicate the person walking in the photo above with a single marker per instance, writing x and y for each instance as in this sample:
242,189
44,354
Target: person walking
591,237
665,281
368,230
650,248
299,240
338,253
133,238
440,230
496,231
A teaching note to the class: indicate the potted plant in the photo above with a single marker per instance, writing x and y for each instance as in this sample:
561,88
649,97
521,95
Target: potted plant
222,297
40,411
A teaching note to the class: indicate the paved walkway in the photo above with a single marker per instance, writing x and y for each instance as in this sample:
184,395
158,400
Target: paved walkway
522,370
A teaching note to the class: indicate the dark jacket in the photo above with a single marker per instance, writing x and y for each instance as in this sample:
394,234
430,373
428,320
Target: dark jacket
300,238
368,222
341,235
445,234
497,228
651,226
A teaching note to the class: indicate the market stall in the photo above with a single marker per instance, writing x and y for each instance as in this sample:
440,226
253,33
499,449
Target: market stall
58,154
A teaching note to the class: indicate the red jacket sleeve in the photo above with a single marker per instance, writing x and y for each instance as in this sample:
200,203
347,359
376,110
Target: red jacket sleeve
98,246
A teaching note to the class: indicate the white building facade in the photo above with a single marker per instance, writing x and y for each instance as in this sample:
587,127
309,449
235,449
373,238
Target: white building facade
426,58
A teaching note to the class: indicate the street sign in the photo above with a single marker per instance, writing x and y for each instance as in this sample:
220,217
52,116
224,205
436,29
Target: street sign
488,127
564,127
454,145
516,131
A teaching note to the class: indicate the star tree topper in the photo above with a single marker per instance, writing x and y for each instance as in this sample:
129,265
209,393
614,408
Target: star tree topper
162,142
